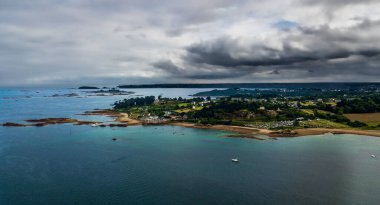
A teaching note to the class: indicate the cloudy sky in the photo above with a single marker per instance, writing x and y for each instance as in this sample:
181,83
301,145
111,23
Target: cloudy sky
72,42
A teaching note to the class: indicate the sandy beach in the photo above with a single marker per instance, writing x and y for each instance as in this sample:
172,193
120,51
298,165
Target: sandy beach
247,131
124,118
318,131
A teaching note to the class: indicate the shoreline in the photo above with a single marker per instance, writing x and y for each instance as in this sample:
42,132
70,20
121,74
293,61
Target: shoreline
124,120
249,131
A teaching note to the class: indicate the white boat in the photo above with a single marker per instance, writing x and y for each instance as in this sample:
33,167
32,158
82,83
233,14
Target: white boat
373,156
94,125
235,160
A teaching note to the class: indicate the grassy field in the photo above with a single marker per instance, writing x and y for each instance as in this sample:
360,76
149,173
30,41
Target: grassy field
365,117
331,103
311,112
372,119
183,104
308,103
322,123
308,111
186,110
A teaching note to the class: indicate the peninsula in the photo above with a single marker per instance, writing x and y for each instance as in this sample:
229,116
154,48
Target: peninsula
273,112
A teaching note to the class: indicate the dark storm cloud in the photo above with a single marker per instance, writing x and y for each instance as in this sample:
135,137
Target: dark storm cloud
360,69
167,66
323,51
205,72
322,44
219,54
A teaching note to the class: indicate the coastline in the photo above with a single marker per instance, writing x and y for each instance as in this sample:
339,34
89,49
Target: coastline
319,131
124,120
249,131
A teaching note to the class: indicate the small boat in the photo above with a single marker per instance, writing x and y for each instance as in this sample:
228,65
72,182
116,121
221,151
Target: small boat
94,125
373,156
235,160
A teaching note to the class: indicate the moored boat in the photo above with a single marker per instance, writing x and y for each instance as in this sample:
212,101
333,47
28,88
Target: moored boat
235,160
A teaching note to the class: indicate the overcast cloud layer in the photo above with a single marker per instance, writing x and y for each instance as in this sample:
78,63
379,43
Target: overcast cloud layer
74,42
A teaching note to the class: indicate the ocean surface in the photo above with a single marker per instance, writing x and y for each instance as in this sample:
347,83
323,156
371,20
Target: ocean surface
68,164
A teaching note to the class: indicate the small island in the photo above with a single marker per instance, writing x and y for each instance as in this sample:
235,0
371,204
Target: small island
108,92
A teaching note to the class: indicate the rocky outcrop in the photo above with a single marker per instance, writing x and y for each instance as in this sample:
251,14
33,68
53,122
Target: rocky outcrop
11,124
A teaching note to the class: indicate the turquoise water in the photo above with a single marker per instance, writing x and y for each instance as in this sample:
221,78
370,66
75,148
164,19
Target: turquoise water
66,164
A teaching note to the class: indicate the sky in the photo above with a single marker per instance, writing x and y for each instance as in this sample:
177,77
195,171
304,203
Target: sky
83,42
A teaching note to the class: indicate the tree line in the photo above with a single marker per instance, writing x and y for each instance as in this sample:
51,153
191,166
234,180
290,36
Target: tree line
128,103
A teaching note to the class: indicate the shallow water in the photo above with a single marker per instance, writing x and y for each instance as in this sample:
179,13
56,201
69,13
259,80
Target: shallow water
17,105
67,164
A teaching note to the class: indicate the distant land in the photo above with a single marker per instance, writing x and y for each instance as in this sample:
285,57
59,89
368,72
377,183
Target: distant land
257,85
304,91
226,92
88,87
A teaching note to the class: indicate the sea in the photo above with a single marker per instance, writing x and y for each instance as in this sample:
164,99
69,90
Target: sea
79,165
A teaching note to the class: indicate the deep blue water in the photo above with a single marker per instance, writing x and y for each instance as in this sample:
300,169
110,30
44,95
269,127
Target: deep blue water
67,164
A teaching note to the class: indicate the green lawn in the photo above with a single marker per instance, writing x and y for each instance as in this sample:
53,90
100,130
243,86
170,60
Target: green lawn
183,104
311,112
186,110
308,103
